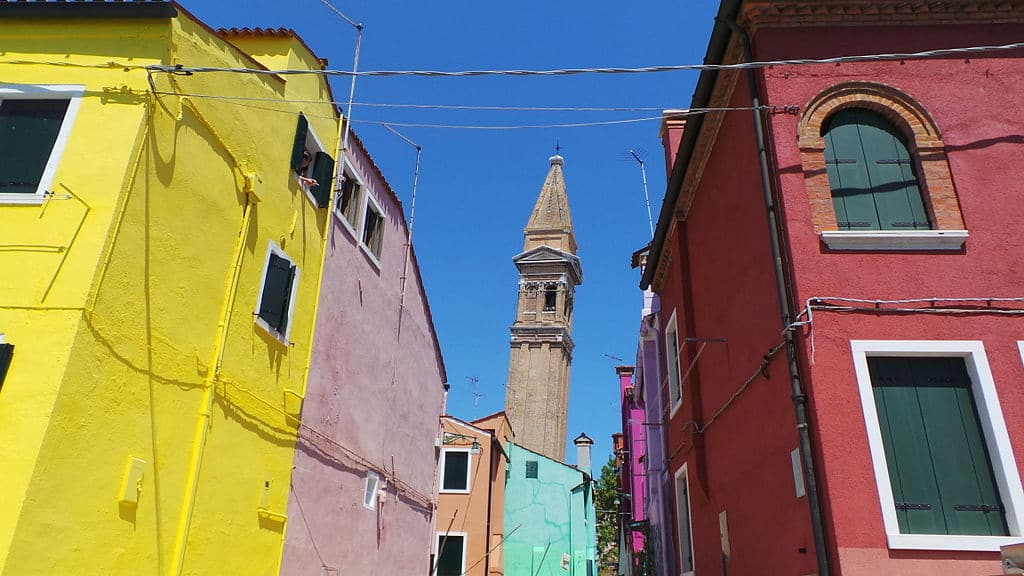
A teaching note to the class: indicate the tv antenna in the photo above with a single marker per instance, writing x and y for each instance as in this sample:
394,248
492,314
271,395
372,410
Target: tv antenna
638,155
476,395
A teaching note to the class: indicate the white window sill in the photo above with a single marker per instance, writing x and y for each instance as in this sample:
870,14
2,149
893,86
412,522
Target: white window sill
369,253
453,491
894,239
22,199
262,324
952,542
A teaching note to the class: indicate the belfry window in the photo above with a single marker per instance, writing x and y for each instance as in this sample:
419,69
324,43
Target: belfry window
871,174
550,297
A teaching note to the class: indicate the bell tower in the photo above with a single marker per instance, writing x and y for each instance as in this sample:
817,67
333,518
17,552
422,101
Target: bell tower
537,395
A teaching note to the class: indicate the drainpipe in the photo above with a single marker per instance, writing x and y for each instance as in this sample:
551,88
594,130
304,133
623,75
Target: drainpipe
782,288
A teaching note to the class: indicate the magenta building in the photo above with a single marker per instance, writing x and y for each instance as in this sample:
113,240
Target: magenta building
363,489
632,474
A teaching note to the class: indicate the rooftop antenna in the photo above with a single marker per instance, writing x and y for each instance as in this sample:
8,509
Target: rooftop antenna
476,395
637,155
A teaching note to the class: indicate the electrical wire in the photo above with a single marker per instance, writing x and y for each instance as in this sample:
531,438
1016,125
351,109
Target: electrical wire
179,69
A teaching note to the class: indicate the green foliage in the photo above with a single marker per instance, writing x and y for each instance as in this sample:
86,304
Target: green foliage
606,501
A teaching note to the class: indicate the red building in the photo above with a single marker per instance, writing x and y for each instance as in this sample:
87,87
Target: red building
840,278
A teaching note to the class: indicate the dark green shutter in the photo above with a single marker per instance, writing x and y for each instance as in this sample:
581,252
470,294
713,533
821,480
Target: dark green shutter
323,173
277,291
300,142
449,561
28,131
6,355
456,469
939,469
871,174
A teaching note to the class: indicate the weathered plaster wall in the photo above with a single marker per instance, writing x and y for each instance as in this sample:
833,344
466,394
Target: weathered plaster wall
547,517
974,102
372,391
148,373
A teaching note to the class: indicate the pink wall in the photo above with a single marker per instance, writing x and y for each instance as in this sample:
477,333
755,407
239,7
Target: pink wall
376,396
975,103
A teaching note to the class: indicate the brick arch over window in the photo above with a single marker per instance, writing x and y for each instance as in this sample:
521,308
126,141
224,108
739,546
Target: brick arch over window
910,118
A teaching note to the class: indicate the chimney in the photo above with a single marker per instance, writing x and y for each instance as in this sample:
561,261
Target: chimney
671,133
583,444
625,382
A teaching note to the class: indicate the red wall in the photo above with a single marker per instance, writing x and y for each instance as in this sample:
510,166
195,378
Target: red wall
976,104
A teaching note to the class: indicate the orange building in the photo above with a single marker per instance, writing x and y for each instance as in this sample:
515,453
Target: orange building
471,496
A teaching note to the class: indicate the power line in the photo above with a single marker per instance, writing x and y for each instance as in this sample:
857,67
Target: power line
184,70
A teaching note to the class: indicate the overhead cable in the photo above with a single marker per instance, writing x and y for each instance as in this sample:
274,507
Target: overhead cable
187,70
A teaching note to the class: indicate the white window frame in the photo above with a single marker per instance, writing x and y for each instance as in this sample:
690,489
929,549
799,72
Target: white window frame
1000,451
469,470
273,248
437,550
348,170
672,331
371,203
319,147
73,93
684,473
370,495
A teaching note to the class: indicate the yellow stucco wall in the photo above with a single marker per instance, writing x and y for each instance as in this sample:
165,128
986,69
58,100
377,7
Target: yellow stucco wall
118,360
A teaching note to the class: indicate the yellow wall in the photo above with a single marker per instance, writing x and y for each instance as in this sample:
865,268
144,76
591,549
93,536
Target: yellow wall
133,373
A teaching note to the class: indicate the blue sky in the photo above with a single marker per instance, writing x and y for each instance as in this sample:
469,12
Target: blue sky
477,187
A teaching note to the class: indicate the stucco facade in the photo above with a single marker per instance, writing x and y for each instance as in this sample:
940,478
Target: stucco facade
363,486
745,487
150,417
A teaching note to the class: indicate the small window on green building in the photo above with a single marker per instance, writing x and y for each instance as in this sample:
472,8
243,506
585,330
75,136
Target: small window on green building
531,468
871,173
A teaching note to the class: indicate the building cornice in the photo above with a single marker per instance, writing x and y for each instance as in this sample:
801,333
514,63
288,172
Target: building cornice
791,13
554,335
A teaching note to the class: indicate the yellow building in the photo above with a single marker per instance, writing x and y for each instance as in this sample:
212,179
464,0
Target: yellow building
159,271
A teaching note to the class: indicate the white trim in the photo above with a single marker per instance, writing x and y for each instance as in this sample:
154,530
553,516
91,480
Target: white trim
894,239
348,170
371,203
370,496
437,549
273,248
672,330
683,471
74,95
1004,464
469,470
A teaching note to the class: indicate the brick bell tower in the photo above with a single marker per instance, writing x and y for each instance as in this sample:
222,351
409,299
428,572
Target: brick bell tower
537,395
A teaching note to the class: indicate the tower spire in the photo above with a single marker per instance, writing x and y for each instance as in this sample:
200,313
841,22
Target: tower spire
551,223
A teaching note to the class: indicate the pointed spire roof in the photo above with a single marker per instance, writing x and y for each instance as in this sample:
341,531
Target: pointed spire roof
550,223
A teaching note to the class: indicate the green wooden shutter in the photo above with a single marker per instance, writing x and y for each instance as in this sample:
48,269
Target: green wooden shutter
6,355
871,174
277,293
299,146
941,477
456,470
28,131
323,173
449,561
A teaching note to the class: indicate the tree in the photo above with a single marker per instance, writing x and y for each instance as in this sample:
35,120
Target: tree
606,500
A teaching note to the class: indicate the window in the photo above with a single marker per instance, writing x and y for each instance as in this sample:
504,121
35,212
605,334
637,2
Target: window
277,294
373,227
349,198
370,490
531,468
683,522
451,554
313,167
871,174
876,172
6,355
946,475
455,470
35,122
675,389
550,297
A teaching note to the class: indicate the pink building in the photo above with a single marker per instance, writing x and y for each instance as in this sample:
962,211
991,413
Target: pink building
363,492
632,474
839,280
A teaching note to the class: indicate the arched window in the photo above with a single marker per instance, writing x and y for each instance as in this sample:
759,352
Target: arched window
871,174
